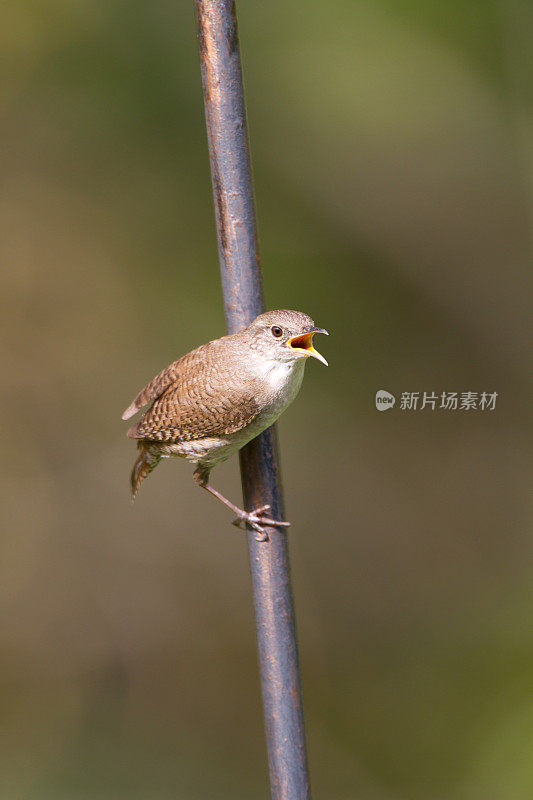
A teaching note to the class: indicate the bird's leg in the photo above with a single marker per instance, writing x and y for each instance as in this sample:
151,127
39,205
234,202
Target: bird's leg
253,518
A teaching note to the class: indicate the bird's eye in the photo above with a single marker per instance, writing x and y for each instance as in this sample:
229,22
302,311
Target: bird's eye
276,331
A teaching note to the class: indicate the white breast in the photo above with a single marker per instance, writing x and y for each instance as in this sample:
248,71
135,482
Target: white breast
284,381
279,376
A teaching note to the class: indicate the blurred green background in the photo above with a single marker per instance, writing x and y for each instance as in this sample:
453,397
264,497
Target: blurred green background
393,160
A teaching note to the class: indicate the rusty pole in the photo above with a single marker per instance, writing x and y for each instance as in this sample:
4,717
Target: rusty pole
243,301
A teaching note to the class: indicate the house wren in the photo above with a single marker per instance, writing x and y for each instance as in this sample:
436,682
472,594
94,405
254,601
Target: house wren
212,401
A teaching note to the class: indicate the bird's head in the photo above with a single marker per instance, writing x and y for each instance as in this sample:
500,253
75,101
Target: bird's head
285,336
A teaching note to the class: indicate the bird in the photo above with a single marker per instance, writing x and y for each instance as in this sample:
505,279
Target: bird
212,401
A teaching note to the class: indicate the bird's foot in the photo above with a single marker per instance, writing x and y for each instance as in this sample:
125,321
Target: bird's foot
256,520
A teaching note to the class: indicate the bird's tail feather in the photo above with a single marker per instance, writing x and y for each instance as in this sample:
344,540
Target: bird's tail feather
147,460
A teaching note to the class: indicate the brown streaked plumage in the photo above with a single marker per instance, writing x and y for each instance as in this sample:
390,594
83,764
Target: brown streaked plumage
188,401
212,401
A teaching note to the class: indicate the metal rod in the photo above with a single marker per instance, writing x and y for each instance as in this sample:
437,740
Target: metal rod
243,301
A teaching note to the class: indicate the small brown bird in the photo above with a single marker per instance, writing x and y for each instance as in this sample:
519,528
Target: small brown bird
212,401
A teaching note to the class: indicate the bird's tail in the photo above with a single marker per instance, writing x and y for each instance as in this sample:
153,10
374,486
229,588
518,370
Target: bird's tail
147,460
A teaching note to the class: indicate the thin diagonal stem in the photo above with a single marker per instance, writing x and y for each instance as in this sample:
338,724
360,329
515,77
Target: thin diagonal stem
243,301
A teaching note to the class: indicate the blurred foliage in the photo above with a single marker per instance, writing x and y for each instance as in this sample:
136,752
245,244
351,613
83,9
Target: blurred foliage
393,160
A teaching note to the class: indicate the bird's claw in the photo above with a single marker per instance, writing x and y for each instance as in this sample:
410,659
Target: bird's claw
256,520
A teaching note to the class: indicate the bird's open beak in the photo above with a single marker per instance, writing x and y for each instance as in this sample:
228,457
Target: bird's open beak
305,342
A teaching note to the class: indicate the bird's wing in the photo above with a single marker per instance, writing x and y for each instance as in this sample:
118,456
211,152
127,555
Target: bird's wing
161,382
171,420
196,402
